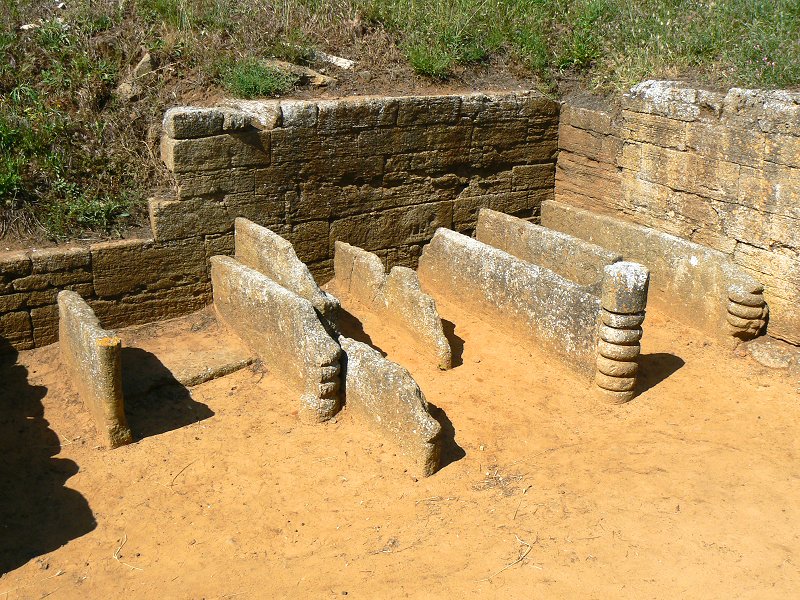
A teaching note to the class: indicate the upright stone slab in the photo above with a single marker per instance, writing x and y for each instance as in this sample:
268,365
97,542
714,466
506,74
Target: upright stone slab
694,284
265,251
566,255
92,357
386,394
529,301
285,332
397,296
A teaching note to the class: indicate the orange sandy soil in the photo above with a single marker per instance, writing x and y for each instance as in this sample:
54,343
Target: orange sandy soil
690,491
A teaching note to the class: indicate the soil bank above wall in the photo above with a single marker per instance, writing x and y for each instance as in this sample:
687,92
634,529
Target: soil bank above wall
719,169
380,173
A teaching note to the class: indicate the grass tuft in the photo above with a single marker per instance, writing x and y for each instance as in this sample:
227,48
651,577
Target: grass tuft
250,78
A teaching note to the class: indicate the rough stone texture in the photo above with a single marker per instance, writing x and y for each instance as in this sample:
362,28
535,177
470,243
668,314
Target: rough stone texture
719,169
529,301
285,332
690,282
92,358
570,257
774,354
386,394
383,173
265,251
396,296
624,300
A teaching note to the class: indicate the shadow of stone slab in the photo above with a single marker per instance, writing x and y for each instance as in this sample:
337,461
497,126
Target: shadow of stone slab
190,350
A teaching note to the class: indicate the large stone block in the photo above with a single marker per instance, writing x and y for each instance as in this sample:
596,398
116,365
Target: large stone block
595,146
14,264
349,114
54,260
93,360
528,301
268,253
570,257
16,331
690,282
133,266
386,394
247,149
285,332
397,297
395,227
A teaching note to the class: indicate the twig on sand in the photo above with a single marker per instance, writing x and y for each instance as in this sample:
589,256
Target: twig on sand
117,551
528,547
181,471
520,503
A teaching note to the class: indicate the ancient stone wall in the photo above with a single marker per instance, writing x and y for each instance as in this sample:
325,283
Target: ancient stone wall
719,169
382,173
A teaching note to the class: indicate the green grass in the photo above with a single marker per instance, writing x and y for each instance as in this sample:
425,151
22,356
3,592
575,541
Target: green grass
75,157
249,78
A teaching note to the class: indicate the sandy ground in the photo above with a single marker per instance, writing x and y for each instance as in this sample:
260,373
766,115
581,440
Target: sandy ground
692,490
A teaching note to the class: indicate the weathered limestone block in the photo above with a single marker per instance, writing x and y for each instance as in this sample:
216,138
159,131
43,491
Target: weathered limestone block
285,332
268,253
92,357
236,149
16,331
386,394
132,266
394,227
529,301
690,282
624,299
397,296
570,257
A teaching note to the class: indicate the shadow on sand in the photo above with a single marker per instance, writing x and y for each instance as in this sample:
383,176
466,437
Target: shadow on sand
456,343
655,368
38,514
156,402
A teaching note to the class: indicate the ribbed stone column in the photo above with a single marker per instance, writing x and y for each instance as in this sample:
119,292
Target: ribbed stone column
623,300
747,311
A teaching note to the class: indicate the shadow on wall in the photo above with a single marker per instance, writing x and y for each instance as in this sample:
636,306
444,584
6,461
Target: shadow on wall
655,368
37,513
156,402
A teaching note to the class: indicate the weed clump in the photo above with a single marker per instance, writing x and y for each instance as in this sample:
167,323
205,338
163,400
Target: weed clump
250,78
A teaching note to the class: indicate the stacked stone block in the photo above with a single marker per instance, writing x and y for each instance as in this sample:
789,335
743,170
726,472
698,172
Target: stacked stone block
382,173
719,169
623,300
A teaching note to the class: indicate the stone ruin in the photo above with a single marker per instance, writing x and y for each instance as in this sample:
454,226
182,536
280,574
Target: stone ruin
693,284
396,297
611,213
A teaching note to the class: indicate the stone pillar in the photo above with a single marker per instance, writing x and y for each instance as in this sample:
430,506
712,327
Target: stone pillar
747,310
623,300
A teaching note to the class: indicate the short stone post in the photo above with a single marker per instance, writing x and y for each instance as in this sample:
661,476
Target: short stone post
747,310
623,301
